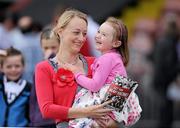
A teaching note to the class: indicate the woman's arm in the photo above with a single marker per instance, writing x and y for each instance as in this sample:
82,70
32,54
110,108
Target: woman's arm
94,111
45,94
49,109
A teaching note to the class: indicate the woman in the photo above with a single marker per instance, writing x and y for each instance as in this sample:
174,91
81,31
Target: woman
55,86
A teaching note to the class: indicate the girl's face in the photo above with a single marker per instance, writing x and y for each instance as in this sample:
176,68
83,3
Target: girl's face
13,67
73,36
104,38
49,46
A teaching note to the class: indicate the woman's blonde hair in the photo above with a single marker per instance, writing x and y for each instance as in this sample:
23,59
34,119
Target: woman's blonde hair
66,17
121,34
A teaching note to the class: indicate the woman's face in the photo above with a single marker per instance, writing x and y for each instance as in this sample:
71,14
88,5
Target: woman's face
73,36
104,38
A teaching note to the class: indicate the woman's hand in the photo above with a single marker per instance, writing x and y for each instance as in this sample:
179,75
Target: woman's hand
95,111
106,122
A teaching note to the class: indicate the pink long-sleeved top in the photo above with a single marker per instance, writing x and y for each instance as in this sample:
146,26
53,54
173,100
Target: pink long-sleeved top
104,70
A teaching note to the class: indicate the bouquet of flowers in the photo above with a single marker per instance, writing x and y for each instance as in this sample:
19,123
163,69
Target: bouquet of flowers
119,91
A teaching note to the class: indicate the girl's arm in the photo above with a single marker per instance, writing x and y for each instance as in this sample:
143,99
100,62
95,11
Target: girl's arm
102,71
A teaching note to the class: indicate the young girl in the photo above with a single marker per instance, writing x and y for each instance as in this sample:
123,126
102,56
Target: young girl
111,41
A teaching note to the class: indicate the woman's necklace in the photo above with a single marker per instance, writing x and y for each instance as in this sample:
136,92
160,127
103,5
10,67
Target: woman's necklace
73,63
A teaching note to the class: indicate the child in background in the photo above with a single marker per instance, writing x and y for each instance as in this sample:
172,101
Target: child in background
14,91
49,45
111,41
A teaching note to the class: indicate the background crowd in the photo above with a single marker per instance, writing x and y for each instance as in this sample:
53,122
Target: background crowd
154,46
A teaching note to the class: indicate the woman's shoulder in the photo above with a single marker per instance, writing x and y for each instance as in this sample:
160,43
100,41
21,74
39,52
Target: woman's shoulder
43,64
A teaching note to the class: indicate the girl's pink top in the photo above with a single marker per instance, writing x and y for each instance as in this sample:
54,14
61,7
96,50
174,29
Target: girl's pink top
104,70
